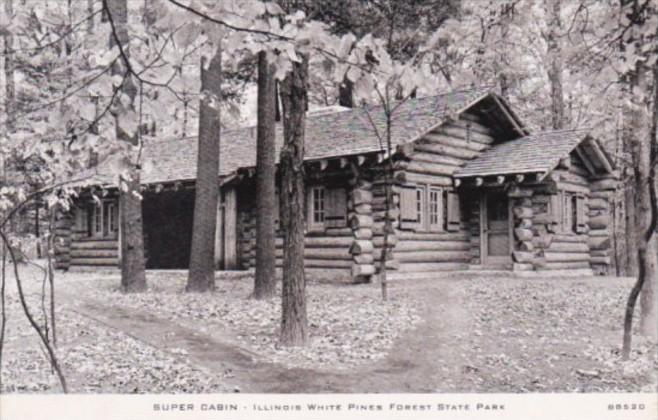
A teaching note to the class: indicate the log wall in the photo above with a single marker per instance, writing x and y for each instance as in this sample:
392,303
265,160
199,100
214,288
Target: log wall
431,162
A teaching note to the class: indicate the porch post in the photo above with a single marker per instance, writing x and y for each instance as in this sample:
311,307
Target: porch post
523,254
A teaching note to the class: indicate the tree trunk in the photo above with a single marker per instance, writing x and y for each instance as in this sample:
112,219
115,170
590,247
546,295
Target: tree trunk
647,202
133,276
553,9
202,265
9,72
265,280
293,98
645,150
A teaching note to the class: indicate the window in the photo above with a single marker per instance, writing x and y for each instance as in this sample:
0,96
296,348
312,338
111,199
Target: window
317,207
97,221
102,219
327,208
111,219
567,210
436,209
420,205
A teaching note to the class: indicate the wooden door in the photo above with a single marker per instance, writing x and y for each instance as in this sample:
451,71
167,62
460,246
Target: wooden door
496,232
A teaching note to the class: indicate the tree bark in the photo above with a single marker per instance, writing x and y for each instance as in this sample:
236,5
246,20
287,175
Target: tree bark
9,72
648,204
553,9
265,278
293,98
133,276
202,265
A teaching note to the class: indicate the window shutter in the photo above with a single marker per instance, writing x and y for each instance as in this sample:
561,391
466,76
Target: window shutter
556,209
408,215
581,222
336,208
454,212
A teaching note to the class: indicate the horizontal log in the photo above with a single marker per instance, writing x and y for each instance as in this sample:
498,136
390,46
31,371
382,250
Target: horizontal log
433,236
462,133
363,208
392,240
577,247
443,180
524,223
361,247
571,265
518,192
598,222
439,149
522,267
604,184
600,260
522,257
436,246
95,261
599,242
447,140
324,241
95,253
322,254
363,270
435,159
523,234
364,259
392,264
473,123
570,237
566,256
522,212
95,245
363,233
428,267
432,256
358,221
361,196
327,263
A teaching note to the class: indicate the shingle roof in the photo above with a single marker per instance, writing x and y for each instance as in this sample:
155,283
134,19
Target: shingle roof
327,135
538,152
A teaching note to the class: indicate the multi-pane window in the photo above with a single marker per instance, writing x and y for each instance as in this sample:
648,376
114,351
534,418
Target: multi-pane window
423,207
103,219
435,209
97,221
318,205
420,205
111,217
327,208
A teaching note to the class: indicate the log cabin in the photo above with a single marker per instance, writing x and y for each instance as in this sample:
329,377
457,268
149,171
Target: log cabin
472,189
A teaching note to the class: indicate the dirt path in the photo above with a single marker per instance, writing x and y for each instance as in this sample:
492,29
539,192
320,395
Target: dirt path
420,361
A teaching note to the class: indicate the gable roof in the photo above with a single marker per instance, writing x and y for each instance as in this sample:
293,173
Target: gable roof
536,153
329,135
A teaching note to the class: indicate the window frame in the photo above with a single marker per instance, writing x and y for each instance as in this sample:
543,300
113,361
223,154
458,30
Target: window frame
312,223
436,210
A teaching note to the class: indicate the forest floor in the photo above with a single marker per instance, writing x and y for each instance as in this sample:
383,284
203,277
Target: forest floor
465,333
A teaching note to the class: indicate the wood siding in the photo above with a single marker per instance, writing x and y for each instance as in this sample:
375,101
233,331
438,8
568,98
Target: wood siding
435,158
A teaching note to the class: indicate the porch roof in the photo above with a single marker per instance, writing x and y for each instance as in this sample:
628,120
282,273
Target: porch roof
536,153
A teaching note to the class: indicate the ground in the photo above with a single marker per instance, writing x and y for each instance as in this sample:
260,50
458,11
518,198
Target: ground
454,333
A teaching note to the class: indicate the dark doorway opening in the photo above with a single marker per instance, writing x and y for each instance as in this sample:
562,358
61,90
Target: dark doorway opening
168,217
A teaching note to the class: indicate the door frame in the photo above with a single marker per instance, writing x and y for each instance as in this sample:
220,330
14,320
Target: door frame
485,259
